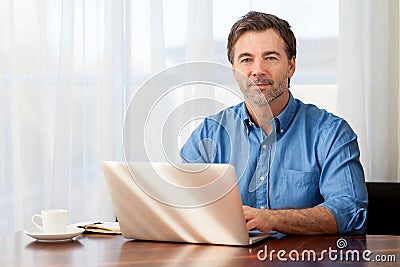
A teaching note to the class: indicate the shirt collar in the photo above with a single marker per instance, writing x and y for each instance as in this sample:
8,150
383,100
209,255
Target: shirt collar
286,116
282,121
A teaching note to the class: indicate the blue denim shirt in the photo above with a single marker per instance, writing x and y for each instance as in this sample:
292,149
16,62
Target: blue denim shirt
312,159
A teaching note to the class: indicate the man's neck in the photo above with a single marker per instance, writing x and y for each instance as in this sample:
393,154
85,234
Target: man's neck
280,103
262,115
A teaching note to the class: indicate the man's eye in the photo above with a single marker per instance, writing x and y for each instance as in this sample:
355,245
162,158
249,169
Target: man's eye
244,60
270,58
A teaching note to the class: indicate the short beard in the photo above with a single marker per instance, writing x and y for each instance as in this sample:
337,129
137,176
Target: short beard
259,99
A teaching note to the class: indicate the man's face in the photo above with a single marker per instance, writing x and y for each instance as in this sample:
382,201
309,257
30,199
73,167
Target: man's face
261,67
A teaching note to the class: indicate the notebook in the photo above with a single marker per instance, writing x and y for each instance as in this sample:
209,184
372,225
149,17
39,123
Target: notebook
193,203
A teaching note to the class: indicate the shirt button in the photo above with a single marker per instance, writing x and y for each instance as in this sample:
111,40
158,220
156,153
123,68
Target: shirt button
264,147
262,178
281,130
262,207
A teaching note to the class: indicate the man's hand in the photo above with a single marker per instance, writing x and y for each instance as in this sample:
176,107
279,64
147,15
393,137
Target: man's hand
257,219
310,221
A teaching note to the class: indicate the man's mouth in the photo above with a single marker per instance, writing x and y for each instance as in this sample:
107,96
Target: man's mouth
260,86
261,83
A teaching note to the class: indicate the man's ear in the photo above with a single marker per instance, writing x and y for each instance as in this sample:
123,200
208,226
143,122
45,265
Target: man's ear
292,66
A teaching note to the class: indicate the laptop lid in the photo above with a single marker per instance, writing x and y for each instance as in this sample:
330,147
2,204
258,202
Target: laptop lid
195,203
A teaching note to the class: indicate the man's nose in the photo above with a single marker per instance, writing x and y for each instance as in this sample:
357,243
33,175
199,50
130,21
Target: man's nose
258,68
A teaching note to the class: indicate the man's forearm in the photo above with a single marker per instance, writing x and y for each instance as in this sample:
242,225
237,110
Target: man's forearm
316,220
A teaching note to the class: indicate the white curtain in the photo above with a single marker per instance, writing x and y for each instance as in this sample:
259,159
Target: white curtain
68,70
368,82
61,101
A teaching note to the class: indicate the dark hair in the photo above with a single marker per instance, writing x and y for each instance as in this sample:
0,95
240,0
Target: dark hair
258,21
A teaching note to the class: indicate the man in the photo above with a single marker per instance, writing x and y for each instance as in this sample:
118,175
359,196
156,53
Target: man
301,173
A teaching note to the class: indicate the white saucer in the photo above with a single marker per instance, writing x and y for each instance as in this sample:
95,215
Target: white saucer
72,231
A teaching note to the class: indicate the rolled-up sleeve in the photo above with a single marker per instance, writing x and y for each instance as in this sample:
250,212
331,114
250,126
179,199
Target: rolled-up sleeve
342,182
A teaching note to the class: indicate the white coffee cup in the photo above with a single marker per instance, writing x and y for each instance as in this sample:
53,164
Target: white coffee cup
53,221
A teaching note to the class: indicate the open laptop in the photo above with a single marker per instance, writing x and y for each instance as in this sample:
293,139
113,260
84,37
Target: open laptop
194,203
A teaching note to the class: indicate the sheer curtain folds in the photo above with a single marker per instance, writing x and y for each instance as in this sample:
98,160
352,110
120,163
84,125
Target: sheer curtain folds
67,74
62,107
368,82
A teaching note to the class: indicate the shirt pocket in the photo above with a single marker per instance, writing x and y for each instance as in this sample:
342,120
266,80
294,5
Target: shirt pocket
299,189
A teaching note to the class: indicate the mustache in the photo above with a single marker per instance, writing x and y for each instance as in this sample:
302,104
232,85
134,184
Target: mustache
260,80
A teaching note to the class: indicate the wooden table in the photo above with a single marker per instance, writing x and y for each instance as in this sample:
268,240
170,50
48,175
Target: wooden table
114,250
